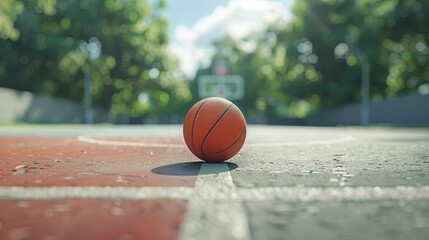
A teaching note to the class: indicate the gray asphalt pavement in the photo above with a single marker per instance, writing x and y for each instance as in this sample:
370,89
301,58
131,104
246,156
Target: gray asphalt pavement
350,175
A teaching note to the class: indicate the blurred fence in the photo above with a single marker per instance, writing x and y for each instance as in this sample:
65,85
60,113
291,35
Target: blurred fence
27,107
402,110
21,106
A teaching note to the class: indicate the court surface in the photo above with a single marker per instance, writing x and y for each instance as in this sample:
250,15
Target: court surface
141,182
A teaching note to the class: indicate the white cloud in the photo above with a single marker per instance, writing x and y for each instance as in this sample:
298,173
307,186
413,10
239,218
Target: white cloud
238,20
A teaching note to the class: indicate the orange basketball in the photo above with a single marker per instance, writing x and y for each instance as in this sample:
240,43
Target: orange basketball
214,129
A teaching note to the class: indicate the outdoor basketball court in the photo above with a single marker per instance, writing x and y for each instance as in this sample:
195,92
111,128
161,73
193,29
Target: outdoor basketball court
141,182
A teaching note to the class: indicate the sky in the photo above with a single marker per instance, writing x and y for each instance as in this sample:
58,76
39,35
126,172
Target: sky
195,24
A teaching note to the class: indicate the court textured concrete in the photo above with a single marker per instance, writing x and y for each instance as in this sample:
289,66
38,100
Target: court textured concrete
140,182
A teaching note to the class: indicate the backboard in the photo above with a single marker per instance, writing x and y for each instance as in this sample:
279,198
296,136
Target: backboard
230,87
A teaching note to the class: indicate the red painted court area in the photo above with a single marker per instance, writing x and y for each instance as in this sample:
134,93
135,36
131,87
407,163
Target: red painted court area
91,219
65,161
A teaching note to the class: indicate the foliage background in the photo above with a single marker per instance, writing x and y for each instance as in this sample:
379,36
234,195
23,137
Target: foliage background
292,71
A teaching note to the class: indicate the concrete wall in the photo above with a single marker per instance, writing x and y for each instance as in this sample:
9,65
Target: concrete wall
28,107
407,109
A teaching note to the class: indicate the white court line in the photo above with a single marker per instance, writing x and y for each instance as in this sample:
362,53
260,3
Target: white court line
131,144
287,194
48,193
307,194
214,210
160,145
303,143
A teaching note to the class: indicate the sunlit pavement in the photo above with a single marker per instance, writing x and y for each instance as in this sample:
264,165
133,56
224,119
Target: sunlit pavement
140,182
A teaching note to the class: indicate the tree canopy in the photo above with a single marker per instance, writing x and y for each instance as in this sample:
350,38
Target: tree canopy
50,48
294,69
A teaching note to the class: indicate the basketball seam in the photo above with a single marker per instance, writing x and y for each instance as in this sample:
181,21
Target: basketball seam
192,129
207,134
241,134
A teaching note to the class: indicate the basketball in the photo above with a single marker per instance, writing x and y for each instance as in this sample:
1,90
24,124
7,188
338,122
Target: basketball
214,129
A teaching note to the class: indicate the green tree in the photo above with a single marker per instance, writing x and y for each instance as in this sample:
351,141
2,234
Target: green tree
51,56
378,29
294,70
9,10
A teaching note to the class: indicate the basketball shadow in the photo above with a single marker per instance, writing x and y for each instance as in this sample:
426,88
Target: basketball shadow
189,168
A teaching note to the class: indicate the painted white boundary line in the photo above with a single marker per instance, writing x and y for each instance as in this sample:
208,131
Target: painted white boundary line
306,194
303,143
131,144
287,194
49,193
214,210
160,145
